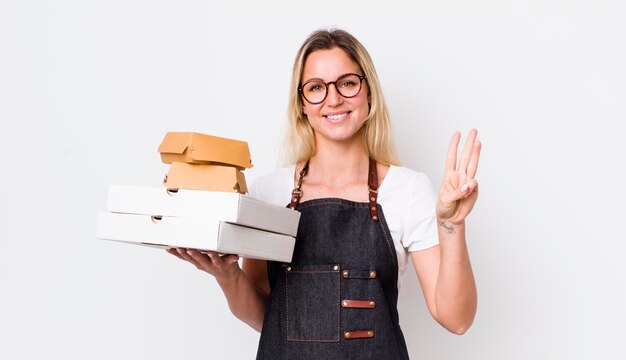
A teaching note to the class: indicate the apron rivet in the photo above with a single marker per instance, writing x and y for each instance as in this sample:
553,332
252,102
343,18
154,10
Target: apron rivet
288,268
336,267
370,334
372,304
373,199
372,274
345,273
345,303
346,335
373,208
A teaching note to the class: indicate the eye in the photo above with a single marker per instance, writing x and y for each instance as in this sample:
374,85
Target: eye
314,87
347,83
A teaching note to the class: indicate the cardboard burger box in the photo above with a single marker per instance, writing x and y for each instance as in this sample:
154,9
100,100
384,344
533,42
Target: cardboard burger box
196,148
205,177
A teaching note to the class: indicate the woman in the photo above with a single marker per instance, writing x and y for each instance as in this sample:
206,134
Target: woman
361,215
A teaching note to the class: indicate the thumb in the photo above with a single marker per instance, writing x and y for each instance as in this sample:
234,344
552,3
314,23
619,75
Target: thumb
455,195
473,185
230,258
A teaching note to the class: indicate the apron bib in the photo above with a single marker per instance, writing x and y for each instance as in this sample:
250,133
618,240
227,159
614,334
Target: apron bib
337,299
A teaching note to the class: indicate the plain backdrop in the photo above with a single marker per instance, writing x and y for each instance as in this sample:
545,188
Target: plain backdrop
88,89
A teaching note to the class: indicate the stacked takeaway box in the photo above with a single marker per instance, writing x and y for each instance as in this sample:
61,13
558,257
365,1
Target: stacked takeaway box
202,206
204,162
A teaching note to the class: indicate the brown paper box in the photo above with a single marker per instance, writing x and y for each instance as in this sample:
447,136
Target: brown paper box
205,177
196,148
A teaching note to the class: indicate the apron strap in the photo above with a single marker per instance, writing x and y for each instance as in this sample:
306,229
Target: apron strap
296,194
372,183
373,189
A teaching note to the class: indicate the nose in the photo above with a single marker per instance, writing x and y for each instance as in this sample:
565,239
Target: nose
333,98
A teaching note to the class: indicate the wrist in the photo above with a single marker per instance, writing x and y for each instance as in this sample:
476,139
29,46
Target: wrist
229,279
450,227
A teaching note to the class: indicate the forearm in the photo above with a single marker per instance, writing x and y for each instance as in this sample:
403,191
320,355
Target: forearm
455,295
245,301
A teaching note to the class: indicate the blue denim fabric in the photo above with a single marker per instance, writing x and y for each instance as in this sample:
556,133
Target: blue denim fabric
304,318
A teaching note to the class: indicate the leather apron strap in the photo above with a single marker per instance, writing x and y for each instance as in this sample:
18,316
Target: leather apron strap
373,189
296,194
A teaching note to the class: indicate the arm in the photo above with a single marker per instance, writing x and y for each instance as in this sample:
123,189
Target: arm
246,290
444,271
447,280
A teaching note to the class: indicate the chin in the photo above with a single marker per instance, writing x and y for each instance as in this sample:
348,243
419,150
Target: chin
341,136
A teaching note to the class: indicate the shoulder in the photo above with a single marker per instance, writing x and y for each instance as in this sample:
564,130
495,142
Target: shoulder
408,200
403,179
274,187
407,193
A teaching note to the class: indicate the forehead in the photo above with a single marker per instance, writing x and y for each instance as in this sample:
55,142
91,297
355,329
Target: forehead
328,65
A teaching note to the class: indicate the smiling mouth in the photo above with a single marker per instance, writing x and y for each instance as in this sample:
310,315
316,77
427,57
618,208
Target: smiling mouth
337,117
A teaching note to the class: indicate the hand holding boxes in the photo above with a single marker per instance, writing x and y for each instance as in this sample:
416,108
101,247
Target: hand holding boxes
202,206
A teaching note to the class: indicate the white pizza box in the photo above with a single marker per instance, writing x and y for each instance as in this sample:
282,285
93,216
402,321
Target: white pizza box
203,204
195,233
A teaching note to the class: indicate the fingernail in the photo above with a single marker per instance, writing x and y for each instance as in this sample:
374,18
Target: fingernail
463,188
210,255
189,253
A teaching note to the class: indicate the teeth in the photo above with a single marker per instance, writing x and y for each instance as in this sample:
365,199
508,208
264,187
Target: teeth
336,117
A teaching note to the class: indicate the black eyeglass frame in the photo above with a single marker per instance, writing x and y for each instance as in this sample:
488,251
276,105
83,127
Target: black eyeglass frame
361,78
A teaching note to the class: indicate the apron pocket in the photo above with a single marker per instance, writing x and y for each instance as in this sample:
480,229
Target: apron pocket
312,304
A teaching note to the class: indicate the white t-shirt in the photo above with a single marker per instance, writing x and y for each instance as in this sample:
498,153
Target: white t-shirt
407,198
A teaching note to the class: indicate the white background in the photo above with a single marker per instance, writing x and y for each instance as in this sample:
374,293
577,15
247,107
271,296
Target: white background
89,88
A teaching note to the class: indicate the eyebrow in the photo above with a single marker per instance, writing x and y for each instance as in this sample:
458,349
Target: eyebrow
311,79
322,80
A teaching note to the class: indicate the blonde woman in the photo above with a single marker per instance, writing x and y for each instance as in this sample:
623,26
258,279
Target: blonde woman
362,215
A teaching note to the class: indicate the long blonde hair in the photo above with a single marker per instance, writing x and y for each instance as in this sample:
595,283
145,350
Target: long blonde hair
299,138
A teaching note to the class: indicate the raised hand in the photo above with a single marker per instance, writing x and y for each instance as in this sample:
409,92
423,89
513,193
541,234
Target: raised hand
459,190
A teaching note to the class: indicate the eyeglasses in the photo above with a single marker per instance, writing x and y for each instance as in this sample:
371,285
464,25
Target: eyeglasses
347,85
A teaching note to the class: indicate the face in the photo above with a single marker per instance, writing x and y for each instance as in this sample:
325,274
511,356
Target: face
336,119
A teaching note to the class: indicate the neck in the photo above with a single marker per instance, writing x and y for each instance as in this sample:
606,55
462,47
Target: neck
338,163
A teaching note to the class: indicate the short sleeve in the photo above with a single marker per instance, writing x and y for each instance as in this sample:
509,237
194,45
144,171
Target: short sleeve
420,228
273,188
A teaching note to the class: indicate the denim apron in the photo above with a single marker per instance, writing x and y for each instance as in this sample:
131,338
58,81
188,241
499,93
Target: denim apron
337,299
